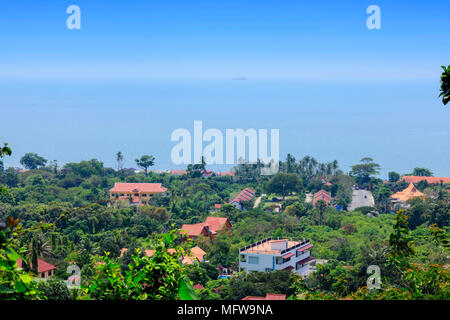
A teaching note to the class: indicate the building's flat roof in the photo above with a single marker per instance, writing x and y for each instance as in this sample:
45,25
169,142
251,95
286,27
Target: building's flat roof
266,247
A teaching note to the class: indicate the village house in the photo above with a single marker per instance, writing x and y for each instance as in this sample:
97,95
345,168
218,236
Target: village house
430,180
135,193
400,198
269,255
245,195
45,269
209,228
321,195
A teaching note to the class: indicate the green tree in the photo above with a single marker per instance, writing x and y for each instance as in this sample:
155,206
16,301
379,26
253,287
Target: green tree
445,85
363,171
394,176
145,162
284,183
32,161
422,172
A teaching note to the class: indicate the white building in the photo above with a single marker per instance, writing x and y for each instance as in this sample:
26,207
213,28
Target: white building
269,255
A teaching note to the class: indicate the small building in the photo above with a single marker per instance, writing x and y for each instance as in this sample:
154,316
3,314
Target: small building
269,296
217,207
209,228
135,193
245,195
269,255
400,198
321,195
45,269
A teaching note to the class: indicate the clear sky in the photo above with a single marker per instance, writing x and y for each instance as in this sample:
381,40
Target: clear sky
137,70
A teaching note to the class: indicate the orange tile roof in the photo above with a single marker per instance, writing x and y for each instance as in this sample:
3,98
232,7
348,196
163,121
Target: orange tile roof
407,194
178,172
321,195
193,229
216,223
430,180
43,266
138,187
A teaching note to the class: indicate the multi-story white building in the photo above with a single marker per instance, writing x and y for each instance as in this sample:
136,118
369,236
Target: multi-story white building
269,255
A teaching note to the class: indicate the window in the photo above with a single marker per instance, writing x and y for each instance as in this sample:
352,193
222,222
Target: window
268,270
136,194
242,258
121,194
253,260
144,195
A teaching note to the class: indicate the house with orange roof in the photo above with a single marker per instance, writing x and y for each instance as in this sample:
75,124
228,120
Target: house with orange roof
135,193
209,228
400,198
245,195
321,195
430,180
178,172
45,269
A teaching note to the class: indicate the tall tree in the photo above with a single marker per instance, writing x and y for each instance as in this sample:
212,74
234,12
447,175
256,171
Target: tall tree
145,162
422,172
120,162
32,161
363,171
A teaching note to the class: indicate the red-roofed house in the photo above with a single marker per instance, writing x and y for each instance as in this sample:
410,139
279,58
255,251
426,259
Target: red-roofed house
430,180
269,296
135,193
193,231
321,195
245,195
178,172
45,269
209,228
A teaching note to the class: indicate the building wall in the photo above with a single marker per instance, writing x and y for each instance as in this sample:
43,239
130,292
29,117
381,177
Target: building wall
268,262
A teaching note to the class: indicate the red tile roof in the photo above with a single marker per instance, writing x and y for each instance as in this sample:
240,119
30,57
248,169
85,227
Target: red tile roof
138,187
178,172
216,223
245,195
430,180
307,247
321,195
194,229
217,206
43,266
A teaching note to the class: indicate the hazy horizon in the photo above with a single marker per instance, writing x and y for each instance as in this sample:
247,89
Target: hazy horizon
137,71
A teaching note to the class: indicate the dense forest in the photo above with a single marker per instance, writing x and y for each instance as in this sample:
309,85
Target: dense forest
64,215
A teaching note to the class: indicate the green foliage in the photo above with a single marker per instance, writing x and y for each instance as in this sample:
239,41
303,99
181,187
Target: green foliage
32,161
363,171
160,277
145,162
284,183
423,172
445,85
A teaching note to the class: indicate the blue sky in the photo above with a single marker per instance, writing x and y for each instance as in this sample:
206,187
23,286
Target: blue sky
137,70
